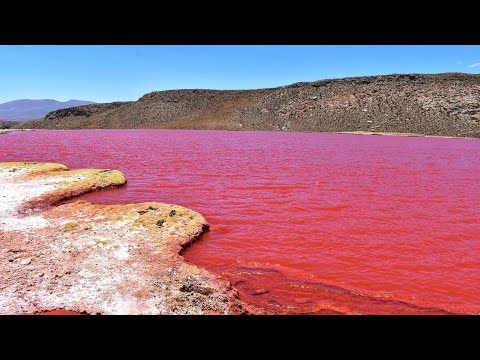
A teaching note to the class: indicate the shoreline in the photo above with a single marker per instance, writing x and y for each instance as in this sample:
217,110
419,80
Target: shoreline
5,131
99,259
401,134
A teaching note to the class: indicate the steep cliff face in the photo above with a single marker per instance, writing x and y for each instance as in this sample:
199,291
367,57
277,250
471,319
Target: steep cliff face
431,104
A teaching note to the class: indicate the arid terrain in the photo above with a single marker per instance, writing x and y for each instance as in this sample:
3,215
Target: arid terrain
430,104
98,259
7,124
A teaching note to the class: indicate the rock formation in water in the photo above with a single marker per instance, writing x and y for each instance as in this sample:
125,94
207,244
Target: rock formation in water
429,104
98,259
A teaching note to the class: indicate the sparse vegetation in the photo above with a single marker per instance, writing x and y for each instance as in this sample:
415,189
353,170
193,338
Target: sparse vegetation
33,167
89,177
6,124
102,241
69,227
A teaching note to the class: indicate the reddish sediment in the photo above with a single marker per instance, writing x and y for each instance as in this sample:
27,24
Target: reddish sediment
99,259
59,312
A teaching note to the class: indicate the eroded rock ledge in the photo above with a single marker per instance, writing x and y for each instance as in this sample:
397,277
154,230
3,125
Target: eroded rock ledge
98,259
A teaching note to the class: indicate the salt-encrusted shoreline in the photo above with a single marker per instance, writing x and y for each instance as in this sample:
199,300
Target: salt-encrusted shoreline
98,259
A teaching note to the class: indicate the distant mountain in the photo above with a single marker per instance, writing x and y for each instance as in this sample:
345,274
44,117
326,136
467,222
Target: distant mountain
26,109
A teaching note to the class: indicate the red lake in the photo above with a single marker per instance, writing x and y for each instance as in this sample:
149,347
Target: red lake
304,223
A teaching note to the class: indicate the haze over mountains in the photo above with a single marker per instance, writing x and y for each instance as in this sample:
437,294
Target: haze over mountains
26,109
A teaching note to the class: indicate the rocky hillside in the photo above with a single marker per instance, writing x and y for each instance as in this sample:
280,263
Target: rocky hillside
438,104
6,124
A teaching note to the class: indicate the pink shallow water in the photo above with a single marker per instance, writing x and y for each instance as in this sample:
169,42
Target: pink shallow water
304,222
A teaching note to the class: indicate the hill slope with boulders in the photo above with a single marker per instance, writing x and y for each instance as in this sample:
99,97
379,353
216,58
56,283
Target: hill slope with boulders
431,104
7,124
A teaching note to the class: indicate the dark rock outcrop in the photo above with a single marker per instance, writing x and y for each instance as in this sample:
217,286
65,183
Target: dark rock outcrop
6,124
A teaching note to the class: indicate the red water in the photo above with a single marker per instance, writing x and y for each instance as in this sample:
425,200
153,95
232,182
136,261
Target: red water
304,222
59,312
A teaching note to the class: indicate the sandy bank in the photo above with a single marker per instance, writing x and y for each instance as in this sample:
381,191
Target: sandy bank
98,259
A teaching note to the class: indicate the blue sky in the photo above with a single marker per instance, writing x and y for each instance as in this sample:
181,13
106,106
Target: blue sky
110,73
